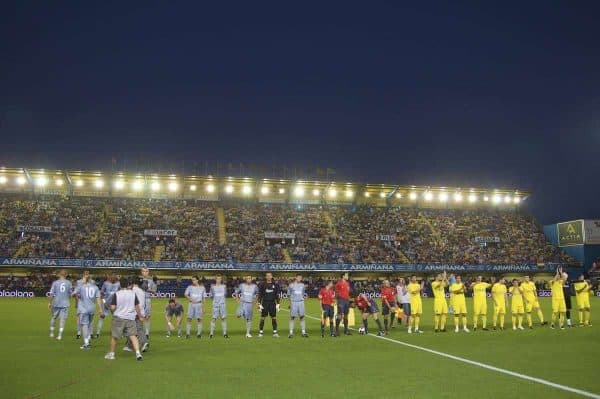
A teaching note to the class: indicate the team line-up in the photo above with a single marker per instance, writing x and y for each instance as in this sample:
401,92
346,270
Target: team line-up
128,300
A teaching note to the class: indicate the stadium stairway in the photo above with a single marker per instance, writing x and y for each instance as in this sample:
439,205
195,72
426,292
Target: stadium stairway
286,255
222,226
159,250
329,221
403,258
434,232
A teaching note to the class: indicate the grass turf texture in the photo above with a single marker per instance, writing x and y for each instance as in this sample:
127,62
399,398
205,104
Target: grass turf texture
36,366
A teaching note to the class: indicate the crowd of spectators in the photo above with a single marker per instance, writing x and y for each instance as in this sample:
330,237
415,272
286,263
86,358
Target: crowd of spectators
111,228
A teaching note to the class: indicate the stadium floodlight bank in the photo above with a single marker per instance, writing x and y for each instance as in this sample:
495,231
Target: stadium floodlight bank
209,188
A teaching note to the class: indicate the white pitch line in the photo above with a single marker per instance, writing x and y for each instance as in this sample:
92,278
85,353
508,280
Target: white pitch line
485,366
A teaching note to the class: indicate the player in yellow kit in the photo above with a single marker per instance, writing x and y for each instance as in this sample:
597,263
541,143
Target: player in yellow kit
582,295
416,305
479,288
460,305
499,298
531,301
440,306
517,307
559,308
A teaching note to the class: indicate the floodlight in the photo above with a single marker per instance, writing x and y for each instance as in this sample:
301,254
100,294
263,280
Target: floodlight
443,197
496,199
119,184
21,180
299,191
486,198
516,200
210,188
99,184
367,194
398,195
412,195
264,190
332,192
382,194
349,193
458,197
58,182
282,191
472,198
246,190
155,186
428,196
193,188
79,183
137,185
41,181
172,186
316,192
507,199
229,189
2,179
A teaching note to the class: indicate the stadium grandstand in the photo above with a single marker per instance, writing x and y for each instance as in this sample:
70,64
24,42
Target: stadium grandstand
82,216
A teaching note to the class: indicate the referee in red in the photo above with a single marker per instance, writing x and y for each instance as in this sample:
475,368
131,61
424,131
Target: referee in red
342,294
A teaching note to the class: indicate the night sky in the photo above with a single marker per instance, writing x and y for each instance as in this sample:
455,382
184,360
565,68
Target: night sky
435,94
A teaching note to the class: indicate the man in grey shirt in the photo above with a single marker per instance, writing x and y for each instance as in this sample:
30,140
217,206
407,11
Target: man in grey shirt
88,297
296,291
195,295
246,297
219,309
60,300
150,287
109,287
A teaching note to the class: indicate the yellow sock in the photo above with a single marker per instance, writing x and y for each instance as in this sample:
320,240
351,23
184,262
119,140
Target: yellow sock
514,321
436,322
540,315
456,321
411,321
520,320
529,320
475,319
502,320
464,320
417,320
587,316
580,312
495,319
561,319
443,321
484,322
553,318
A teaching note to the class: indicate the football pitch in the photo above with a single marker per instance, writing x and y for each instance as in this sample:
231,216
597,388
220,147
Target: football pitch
538,363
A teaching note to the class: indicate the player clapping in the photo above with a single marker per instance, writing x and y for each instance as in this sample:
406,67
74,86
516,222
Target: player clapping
459,303
517,308
440,306
416,304
582,296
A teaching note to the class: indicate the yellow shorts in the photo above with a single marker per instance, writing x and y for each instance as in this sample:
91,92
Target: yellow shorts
480,308
460,306
583,302
558,305
440,306
517,308
531,304
416,307
500,309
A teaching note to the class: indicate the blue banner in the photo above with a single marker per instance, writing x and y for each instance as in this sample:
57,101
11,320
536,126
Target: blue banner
275,267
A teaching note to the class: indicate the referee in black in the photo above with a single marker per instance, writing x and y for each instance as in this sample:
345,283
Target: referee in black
567,294
268,303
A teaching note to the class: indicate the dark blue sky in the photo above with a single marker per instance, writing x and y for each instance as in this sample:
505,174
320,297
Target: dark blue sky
471,94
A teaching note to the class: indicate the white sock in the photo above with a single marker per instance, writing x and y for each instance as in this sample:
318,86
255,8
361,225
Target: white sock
224,327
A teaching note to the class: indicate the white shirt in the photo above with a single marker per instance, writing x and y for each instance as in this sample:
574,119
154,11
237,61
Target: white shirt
125,300
402,294
141,297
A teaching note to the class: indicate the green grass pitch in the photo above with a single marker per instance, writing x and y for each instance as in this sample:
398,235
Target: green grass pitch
35,366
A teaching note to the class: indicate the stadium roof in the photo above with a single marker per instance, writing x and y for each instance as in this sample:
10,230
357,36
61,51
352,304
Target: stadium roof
210,188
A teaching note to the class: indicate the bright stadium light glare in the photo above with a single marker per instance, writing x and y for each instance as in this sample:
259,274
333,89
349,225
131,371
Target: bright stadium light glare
412,195
41,181
246,190
281,191
398,195
458,197
507,199
79,183
229,189
367,194
332,192
428,196
99,183
137,185
496,199
316,192
119,184
299,191
155,186
472,198
264,190
59,182
210,188
486,198
349,193
193,188
443,197
516,200
382,194
2,179
172,186
21,180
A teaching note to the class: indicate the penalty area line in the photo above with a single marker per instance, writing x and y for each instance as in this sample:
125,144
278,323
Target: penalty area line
484,366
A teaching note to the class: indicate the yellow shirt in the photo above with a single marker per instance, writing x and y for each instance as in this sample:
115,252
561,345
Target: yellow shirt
517,297
479,291
454,288
582,285
414,289
529,289
556,286
438,289
499,291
